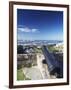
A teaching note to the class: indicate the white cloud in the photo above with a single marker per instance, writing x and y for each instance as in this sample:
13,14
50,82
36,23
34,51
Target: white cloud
34,30
26,29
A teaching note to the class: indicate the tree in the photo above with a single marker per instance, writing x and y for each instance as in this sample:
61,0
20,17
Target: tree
20,49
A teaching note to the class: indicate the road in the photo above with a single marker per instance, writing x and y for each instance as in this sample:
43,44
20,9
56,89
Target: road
42,67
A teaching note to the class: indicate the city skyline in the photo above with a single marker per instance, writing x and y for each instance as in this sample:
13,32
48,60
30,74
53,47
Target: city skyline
39,25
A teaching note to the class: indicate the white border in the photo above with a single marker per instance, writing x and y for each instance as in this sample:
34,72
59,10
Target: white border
15,82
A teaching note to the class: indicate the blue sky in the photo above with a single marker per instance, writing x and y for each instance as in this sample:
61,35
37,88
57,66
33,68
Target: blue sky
39,25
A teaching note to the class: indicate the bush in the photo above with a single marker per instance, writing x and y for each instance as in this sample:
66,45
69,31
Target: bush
19,66
20,49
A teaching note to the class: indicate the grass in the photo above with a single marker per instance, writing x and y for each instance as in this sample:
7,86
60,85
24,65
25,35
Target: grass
21,75
53,49
38,50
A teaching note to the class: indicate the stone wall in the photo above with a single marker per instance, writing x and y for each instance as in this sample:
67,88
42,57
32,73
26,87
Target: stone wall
26,60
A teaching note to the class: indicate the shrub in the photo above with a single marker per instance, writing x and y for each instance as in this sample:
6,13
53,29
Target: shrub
20,49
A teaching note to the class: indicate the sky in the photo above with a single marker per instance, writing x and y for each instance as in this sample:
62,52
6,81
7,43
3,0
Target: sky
39,25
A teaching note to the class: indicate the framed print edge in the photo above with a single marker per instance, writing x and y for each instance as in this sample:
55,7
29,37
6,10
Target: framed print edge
68,44
11,38
10,45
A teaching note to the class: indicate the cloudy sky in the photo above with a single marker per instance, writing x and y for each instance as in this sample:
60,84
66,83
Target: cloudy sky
39,25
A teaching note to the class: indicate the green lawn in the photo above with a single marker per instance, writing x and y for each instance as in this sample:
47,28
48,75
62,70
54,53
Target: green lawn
20,75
